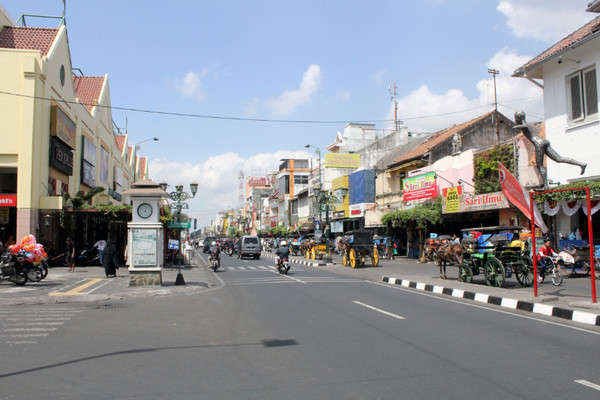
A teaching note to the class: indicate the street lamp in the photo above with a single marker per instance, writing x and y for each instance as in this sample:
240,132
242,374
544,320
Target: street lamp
179,197
136,148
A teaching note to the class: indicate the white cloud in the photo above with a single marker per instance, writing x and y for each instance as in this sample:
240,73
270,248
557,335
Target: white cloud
344,95
545,20
423,110
217,178
289,100
191,85
378,76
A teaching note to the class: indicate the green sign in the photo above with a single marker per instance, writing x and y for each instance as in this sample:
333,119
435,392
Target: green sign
179,225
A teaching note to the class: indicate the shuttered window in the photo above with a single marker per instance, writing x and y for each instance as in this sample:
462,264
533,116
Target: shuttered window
583,90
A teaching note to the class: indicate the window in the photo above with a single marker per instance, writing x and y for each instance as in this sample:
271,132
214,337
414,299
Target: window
301,179
583,93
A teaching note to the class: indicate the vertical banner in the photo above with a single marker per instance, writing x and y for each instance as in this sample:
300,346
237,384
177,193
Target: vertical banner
516,194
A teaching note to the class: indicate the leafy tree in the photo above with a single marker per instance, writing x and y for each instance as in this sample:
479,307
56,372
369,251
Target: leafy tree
486,167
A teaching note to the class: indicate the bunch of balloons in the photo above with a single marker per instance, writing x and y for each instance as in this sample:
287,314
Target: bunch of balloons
33,251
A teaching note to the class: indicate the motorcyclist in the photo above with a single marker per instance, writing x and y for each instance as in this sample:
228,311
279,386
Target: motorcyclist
282,252
215,253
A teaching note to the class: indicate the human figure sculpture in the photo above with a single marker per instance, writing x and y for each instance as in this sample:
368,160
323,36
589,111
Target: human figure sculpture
542,147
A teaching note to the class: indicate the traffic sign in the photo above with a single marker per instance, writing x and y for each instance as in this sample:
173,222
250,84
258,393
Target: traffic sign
173,244
179,225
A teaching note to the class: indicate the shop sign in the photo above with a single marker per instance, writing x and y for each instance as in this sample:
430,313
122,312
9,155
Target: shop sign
455,201
61,157
419,187
115,195
62,126
88,174
358,210
254,181
337,227
339,214
340,160
8,200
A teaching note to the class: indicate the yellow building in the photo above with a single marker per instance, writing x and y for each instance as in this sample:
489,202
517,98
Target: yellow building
57,132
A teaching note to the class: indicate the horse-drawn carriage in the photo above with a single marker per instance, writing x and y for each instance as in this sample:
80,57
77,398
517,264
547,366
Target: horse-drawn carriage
497,253
316,247
357,247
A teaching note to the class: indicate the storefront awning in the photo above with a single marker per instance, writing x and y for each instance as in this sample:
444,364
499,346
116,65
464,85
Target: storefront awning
416,163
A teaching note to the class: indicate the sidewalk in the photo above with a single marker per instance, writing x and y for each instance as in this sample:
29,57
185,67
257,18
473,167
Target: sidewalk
89,284
572,300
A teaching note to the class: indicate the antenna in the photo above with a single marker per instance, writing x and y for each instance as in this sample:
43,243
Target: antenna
394,98
495,72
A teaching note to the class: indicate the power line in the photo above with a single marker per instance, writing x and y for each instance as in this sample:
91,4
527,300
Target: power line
241,119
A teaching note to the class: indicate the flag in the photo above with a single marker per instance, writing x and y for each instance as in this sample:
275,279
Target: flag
516,194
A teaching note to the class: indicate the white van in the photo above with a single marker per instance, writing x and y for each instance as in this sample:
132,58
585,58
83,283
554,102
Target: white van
249,246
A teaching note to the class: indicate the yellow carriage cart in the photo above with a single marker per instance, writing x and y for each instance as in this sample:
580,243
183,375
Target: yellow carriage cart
358,247
316,248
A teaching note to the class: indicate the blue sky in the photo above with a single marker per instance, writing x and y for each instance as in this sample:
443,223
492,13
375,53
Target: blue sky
326,63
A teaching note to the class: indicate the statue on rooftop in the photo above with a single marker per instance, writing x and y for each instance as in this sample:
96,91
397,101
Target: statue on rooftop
542,147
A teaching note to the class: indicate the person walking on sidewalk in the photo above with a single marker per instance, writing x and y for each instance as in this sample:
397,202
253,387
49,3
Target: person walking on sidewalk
70,250
110,252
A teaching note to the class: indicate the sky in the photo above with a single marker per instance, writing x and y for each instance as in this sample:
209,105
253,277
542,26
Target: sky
237,85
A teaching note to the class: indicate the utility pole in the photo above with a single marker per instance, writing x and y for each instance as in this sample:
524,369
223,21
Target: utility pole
495,72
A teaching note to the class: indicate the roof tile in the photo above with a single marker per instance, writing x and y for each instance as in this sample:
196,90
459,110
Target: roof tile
16,37
88,89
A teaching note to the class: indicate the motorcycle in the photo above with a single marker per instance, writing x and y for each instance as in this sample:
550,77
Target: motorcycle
230,251
283,266
89,256
553,271
214,264
12,269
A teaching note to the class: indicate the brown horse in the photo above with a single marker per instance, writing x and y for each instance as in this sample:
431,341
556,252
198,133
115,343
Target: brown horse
448,253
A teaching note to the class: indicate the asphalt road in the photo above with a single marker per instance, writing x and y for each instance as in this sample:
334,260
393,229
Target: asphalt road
313,334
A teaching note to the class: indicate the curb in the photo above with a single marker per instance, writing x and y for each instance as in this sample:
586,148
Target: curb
536,308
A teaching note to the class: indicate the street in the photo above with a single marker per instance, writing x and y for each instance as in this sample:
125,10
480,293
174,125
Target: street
313,334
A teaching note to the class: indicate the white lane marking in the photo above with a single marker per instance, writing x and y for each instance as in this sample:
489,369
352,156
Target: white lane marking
32,323
464,303
378,310
29,330
588,384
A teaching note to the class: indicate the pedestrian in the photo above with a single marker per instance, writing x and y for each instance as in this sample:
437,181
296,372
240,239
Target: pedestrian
110,252
455,240
70,258
100,245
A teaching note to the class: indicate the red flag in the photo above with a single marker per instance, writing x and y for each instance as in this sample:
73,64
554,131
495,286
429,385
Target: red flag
517,195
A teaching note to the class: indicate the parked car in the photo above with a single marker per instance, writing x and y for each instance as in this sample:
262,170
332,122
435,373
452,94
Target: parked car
249,246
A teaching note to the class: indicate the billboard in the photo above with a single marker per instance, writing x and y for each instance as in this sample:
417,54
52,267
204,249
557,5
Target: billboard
454,200
419,187
261,181
341,160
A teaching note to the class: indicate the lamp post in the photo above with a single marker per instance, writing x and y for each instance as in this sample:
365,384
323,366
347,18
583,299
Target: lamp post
179,197
136,148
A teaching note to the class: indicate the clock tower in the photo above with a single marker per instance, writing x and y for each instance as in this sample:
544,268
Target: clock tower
145,234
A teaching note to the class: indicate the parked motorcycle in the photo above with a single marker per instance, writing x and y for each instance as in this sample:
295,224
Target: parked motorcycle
89,256
283,266
12,270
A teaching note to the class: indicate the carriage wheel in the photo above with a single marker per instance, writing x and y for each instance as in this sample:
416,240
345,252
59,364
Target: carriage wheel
524,271
494,272
465,274
352,258
345,259
375,258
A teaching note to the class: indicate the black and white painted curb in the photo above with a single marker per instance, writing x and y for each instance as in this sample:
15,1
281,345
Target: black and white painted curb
536,308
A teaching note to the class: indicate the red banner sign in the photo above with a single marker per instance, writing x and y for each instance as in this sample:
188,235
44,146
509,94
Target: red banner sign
515,193
419,187
8,200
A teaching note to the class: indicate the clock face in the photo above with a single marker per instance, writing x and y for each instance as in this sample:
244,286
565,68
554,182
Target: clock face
144,210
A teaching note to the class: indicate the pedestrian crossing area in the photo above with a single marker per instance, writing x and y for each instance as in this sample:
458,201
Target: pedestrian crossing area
20,326
296,275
